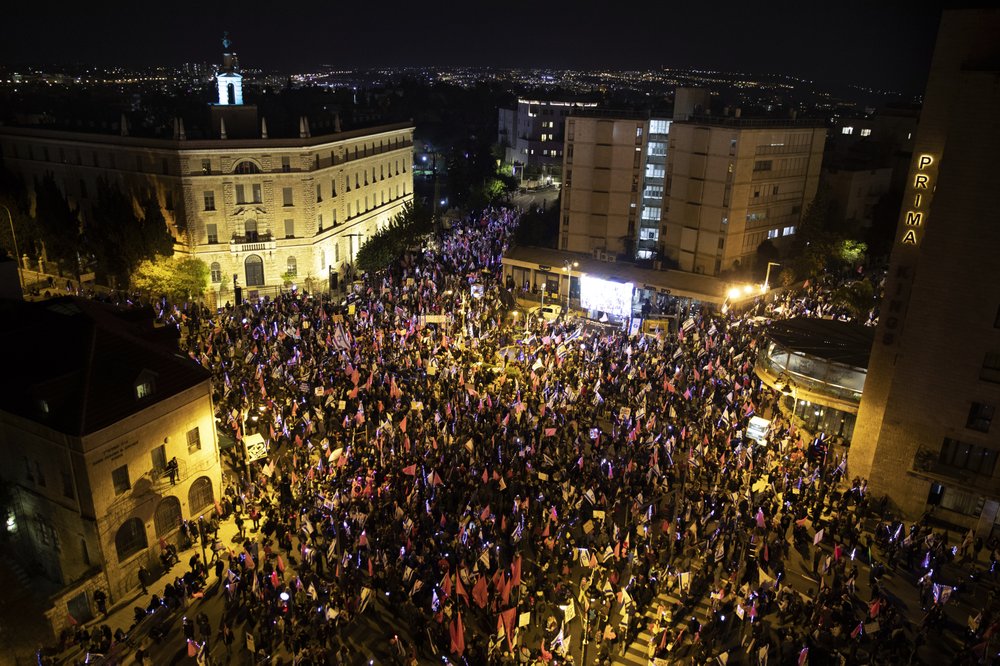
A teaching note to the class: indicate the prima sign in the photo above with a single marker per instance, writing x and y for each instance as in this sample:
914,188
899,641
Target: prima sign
914,218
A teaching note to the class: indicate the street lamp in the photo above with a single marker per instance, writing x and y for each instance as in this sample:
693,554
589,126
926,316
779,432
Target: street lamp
17,255
767,278
568,266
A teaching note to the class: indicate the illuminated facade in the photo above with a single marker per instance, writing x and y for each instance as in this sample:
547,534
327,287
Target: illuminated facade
532,135
733,183
924,432
613,182
96,411
261,209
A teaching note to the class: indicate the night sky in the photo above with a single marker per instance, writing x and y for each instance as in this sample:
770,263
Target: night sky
875,44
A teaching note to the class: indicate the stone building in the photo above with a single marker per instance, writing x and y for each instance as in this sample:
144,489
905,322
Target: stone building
92,410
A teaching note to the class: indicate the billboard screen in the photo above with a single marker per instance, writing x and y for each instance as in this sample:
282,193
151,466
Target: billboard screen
614,298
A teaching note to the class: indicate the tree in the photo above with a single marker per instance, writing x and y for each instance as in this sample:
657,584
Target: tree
58,224
118,238
14,196
766,253
389,243
857,298
179,278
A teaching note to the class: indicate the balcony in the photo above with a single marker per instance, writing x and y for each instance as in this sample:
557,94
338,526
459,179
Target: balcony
252,243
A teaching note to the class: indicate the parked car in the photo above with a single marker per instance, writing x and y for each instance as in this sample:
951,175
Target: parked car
548,312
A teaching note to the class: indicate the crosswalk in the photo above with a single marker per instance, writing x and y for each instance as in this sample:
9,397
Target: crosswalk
637,652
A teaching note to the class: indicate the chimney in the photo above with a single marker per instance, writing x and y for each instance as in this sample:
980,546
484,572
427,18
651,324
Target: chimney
222,128
263,128
303,127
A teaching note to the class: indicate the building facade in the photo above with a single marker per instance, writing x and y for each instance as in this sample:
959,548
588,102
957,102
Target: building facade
86,435
924,433
532,136
857,190
614,167
257,209
733,183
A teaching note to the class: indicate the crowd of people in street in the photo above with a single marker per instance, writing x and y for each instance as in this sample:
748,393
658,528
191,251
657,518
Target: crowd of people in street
523,492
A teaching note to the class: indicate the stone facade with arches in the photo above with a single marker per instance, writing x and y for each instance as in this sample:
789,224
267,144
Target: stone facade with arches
92,499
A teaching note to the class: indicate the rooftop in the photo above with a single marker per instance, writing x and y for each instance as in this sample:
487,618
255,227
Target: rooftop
839,341
74,364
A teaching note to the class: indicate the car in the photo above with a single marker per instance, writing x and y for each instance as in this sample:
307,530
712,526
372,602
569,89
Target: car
548,312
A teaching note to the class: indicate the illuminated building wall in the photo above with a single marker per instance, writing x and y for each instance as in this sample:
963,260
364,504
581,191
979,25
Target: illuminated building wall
257,208
733,183
924,433
612,192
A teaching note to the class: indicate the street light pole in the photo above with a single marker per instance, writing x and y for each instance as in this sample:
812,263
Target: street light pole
767,278
567,266
17,255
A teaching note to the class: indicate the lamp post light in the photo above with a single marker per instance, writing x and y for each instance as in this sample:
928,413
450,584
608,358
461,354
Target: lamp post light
568,266
17,255
767,278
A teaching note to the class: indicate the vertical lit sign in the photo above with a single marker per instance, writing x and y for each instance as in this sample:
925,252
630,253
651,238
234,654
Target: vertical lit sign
915,217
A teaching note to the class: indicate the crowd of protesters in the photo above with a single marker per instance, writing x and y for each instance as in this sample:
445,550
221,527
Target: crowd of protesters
523,492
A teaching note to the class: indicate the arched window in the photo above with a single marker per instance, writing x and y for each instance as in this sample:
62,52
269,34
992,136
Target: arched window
246,166
231,93
130,539
216,270
200,495
168,515
292,267
254,266
251,231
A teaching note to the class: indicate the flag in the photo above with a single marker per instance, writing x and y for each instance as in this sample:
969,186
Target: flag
760,517
460,589
410,470
874,608
515,571
857,630
457,632
402,425
479,592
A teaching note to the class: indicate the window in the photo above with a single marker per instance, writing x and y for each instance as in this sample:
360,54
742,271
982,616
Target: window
130,538
651,213
977,459
216,272
206,167
645,233
991,368
656,148
289,228
756,217
980,416
246,166
333,188
773,233
67,481
847,130
655,171
732,146
241,197
788,231
144,388
659,126
194,440
762,165
866,132
158,456
319,223
319,192
774,190
286,196
292,267
257,193
212,231
286,164
209,200
119,477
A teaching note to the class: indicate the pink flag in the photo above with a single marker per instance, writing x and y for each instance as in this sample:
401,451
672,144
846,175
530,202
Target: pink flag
760,518
410,470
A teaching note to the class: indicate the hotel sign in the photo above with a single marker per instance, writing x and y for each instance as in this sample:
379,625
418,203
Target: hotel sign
916,215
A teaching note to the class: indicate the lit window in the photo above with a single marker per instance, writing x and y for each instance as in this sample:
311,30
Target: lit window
773,233
144,389
847,130
788,231
866,132
216,271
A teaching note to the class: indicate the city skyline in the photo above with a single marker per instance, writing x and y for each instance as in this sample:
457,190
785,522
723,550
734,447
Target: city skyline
843,44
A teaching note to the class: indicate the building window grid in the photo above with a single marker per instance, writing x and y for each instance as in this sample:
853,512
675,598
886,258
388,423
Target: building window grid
969,457
980,416
194,440
120,480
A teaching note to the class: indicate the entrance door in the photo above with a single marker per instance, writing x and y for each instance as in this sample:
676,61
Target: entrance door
254,270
